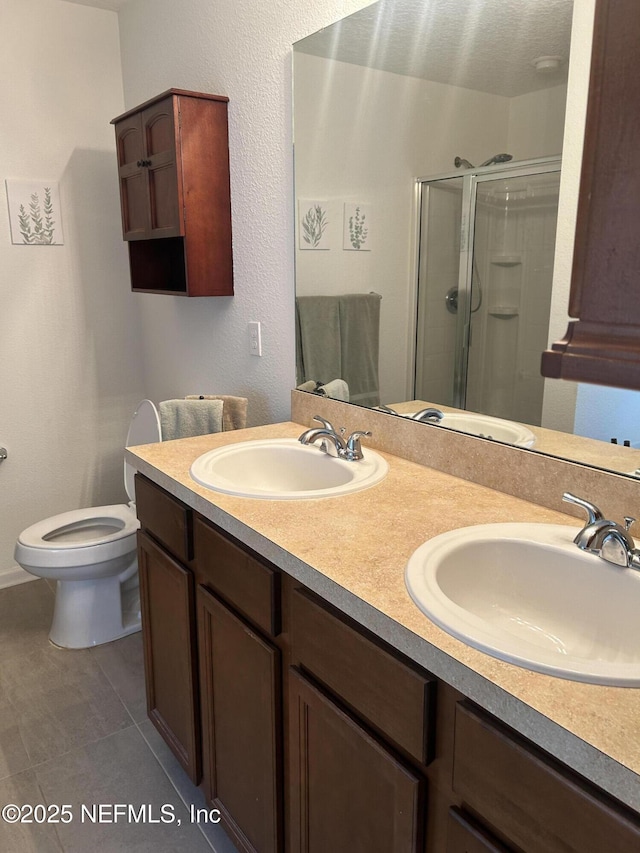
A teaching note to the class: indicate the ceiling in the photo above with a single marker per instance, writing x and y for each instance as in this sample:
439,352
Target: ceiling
485,45
113,5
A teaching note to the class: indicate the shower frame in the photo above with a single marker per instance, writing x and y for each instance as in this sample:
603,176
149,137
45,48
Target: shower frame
470,180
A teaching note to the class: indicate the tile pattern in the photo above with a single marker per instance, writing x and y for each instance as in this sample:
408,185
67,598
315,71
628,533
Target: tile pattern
74,731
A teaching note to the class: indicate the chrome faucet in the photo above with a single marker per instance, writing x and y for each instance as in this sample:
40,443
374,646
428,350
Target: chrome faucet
607,539
428,414
333,443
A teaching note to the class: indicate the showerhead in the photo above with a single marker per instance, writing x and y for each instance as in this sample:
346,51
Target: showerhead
497,158
461,163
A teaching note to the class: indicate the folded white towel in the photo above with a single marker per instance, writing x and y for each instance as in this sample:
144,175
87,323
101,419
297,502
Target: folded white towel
185,418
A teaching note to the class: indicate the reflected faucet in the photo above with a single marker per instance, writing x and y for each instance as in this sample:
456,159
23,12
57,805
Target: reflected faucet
428,414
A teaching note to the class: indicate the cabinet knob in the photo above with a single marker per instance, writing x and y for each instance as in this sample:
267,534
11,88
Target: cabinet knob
142,163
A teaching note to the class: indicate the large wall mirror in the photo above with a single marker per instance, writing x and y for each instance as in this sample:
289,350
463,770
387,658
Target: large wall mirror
437,149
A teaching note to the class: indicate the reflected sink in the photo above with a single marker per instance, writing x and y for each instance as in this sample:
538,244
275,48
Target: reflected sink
284,469
525,593
487,427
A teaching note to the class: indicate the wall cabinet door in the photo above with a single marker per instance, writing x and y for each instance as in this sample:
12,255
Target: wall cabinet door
241,725
168,632
134,193
148,149
161,138
347,792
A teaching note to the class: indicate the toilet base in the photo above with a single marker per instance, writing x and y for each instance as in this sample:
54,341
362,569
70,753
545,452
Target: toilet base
89,613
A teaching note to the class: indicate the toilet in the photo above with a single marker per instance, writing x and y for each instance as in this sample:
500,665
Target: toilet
91,553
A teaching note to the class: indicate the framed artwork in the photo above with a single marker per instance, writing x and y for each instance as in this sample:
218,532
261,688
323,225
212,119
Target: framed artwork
34,213
357,227
314,221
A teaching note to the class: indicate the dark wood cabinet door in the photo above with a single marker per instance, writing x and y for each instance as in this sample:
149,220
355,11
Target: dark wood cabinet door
168,631
241,723
603,344
466,835
161,139
347,792
134,190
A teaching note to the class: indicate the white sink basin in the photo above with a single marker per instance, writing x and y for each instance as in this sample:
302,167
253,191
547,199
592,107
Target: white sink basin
284,469
525,593
485,426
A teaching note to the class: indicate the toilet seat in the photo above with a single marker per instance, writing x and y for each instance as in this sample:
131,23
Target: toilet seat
80,537
91,554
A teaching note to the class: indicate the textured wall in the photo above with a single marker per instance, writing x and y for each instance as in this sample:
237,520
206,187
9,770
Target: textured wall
242,49
68,329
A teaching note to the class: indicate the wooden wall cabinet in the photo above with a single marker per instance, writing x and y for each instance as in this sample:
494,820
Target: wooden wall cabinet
173,166
315,736
603,344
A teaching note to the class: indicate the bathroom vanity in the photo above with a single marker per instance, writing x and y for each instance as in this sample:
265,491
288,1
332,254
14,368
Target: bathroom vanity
292,676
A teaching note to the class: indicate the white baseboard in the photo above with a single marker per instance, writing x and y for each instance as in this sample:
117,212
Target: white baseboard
13,576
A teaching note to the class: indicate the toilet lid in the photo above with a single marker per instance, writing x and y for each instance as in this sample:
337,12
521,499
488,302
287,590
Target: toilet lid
144,429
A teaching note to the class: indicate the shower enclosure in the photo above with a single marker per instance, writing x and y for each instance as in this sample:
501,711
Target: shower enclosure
485,268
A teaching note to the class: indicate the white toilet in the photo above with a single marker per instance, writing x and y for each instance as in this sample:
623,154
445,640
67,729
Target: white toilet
91,553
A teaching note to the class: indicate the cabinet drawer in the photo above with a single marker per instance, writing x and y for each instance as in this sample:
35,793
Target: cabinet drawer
165,517
393,697
248,585
465,835
531,799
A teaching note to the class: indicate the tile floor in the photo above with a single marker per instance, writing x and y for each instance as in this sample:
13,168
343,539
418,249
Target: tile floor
74,731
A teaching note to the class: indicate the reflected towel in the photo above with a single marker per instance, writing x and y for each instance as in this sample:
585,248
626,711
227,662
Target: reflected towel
318,322
337,389
359,345
185,418
234,414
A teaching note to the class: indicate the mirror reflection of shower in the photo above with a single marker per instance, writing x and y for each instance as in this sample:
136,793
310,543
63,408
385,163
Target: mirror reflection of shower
461,163
484,287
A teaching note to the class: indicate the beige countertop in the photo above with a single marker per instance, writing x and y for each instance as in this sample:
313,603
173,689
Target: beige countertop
587,451
352,550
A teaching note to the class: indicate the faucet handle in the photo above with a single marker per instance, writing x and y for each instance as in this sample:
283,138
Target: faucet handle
594,514
628,521
326,424
353,443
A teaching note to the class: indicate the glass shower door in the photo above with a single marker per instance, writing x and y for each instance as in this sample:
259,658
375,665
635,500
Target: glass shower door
438,291
487,243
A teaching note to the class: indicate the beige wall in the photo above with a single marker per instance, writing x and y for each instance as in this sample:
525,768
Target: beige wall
68,325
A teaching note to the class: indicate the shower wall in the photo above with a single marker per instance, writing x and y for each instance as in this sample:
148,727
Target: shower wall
514,248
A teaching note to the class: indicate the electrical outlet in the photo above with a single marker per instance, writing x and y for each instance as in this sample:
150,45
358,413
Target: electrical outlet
255,338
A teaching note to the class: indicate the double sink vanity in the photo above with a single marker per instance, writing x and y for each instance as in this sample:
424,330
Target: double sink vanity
292,668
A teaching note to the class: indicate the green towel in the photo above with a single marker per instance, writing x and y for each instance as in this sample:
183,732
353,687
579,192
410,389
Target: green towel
359,345
319,337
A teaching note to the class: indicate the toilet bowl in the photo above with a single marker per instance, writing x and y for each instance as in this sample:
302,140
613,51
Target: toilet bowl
91,553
